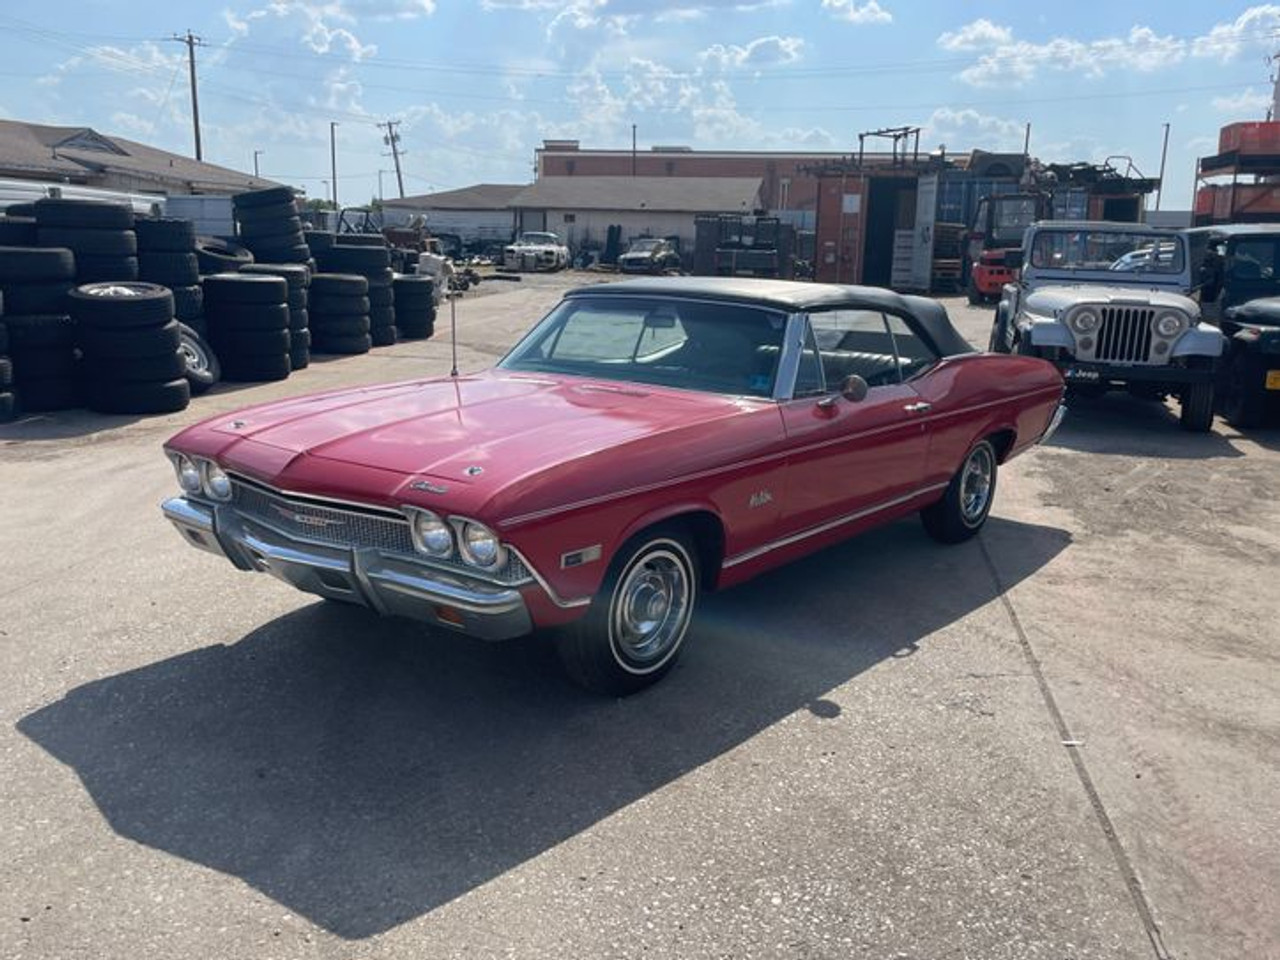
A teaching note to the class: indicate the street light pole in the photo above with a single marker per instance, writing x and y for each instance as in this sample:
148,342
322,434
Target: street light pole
256,154
333,159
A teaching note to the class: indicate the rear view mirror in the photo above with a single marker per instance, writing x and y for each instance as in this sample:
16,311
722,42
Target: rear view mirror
660,321
854,388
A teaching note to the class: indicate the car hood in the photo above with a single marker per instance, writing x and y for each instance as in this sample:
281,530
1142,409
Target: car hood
1049,300
468,440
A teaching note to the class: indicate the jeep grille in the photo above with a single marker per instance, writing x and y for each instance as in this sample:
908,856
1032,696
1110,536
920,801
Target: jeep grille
1125,334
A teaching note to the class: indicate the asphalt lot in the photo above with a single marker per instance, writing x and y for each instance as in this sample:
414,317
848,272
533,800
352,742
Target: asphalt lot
1061,740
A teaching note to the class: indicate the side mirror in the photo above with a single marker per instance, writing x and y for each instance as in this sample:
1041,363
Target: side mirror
854,388
1013,259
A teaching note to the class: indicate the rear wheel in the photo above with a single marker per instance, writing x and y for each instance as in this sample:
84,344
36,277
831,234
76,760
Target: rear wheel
1243,403
964,507
637,623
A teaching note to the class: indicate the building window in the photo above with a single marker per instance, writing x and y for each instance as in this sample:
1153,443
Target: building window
570,217
784,201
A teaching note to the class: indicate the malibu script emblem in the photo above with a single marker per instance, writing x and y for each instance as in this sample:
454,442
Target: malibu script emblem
307,520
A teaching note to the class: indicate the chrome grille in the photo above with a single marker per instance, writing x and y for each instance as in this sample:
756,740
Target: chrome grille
1125,334
351,527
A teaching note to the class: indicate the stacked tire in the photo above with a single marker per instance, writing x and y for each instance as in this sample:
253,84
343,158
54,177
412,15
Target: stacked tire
129,341
167,256
7,402
318,240
415,307
220,256
40,337
99,234
374,264
338,306
298,278
17,231
248,321
270,227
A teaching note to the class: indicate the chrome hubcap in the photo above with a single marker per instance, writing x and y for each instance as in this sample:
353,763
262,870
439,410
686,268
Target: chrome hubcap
651,609
193,358
975,484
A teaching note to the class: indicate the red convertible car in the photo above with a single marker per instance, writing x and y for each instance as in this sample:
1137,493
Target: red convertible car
646,441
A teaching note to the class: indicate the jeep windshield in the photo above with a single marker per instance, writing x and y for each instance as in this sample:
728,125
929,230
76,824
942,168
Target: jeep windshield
539,239
1132,253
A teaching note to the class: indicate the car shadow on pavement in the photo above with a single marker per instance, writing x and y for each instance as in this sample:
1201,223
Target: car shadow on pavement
363,772
1128,426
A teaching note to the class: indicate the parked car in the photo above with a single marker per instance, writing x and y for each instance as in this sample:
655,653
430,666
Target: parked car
649,255
1107,304
536,251
1237,269
646,441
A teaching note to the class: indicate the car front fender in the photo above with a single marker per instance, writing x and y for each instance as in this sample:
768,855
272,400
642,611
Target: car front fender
1201,340
1046,333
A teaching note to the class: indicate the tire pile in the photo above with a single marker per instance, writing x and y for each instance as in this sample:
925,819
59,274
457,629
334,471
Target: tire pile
373,262
99,234
219,256
167,256
298,278
129,348
339,311
270,227
415,306
7,403
247,316
41,340
16,231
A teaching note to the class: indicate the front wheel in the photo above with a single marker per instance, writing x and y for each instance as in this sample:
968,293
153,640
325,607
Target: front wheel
637,623
964,507
1197,408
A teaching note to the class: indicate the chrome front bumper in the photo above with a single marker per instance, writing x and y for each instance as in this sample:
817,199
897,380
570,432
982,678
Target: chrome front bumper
391,585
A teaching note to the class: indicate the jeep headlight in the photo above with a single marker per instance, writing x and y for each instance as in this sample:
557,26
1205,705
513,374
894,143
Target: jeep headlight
216,483
480,546
1169,324
431,535
1083,321
188,473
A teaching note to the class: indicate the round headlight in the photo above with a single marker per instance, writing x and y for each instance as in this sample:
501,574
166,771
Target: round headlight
1083,321
431,535
216,483
1169,324
188,473
480,546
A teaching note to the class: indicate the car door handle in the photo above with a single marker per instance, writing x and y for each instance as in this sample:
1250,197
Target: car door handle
921,407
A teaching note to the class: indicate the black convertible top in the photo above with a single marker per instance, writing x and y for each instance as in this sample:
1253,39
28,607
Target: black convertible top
927,316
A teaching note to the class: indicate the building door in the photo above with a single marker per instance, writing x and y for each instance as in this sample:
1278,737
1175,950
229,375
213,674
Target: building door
890,207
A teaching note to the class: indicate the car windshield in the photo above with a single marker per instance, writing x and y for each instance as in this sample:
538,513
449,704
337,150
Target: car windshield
1106,250
540,238
724,348
1011,218
643,246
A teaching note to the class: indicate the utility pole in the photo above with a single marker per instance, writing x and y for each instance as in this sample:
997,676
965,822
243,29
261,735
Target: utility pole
256,155
333,159
392,140
1164,153
633,149
192,42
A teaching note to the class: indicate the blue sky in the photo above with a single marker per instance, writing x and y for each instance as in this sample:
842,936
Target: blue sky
477,86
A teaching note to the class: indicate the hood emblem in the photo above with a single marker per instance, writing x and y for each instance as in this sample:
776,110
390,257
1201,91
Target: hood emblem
306,519
237,424
473,471
428,487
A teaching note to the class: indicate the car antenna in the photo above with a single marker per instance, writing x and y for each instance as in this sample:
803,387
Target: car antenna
453,330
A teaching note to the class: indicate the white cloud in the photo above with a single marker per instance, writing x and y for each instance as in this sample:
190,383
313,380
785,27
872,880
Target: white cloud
1256,29
761,52
849,10
976,36
1247,101
962,130
131,123
1009,60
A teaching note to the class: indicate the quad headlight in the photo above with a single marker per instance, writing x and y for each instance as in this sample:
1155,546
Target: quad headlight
431,535
1083,321
1170,324
188,473
480,546
217,485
